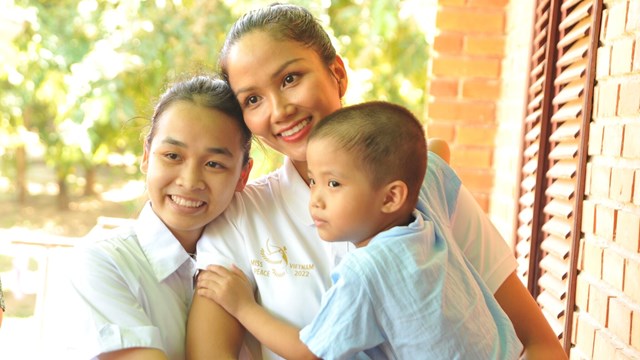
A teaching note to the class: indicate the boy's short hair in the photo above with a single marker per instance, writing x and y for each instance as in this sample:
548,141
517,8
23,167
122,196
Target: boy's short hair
387,139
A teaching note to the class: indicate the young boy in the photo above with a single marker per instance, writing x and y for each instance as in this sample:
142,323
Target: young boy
406,291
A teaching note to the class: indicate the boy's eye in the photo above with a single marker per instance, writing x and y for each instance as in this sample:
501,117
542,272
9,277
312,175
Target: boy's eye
311,182
252,100
333,183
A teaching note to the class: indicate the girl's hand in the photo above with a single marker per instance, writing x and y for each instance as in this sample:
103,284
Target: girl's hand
230,288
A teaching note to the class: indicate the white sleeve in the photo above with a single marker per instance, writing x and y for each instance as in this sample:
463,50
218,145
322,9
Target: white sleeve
445,201
481,242
222,242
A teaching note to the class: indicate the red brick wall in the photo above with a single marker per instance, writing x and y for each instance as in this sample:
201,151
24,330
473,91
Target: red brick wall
465,87
607,322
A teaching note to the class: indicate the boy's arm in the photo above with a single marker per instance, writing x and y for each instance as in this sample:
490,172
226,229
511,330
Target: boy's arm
212,332
233,292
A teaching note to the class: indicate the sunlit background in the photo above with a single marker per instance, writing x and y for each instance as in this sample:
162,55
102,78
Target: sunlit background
78,80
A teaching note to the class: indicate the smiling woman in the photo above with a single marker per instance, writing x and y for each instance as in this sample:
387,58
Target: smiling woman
131,290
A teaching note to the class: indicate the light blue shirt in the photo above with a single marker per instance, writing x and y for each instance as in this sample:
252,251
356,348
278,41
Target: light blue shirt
409,295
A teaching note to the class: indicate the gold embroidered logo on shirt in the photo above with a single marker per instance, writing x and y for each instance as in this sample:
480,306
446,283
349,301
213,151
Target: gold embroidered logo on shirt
274,260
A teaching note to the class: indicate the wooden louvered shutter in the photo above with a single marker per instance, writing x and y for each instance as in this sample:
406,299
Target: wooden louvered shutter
556,126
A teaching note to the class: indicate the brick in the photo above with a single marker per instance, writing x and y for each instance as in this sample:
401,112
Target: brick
605,24
631,283
447,88
628,231
585,338
448,43
476,135
596,133
613,268
600,180
635,329
442,130
629,103
452,2
587,179
492,45
620,320
603,347
624,354
616,21
592,260
599,304
588,217
605,222
489,3
456,66
633,17
621,188
476,179
472,157
612,140
463,111
596,100
603,62
483,89
469,20
607,98
631,144
582,293
636,56
621,56
636,188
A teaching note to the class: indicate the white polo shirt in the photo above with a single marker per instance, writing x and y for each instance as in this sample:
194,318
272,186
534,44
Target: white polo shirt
133,289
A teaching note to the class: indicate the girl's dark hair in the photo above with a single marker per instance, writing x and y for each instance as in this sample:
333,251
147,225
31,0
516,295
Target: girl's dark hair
386,139
282,22
208,91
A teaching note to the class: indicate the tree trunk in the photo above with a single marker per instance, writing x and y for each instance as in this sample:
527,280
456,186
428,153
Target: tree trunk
90,178
63,192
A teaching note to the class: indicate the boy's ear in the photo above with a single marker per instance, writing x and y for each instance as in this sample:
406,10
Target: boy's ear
244,175
144,165
395,196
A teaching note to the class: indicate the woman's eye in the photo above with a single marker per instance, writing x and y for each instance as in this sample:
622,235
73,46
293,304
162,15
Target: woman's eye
172,156
289,79
311,182
333,183
213,164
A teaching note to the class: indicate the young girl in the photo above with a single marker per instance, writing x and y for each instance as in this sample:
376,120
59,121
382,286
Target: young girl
132,290
287,77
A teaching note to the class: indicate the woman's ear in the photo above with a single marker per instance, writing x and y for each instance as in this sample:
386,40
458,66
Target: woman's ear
244,175
340,73
144,165
395,196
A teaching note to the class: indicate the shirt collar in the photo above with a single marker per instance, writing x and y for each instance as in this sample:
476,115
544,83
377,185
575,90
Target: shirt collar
296,193
163,251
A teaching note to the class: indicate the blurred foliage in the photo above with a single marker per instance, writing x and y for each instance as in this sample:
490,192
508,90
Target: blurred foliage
78,79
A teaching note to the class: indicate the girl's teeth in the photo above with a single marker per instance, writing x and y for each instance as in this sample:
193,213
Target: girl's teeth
295,129
186,203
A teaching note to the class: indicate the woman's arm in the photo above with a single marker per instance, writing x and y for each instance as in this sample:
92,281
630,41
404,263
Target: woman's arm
532,327
232,291
211,331
134,354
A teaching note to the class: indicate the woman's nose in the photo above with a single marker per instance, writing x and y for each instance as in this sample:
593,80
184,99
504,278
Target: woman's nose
191,178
